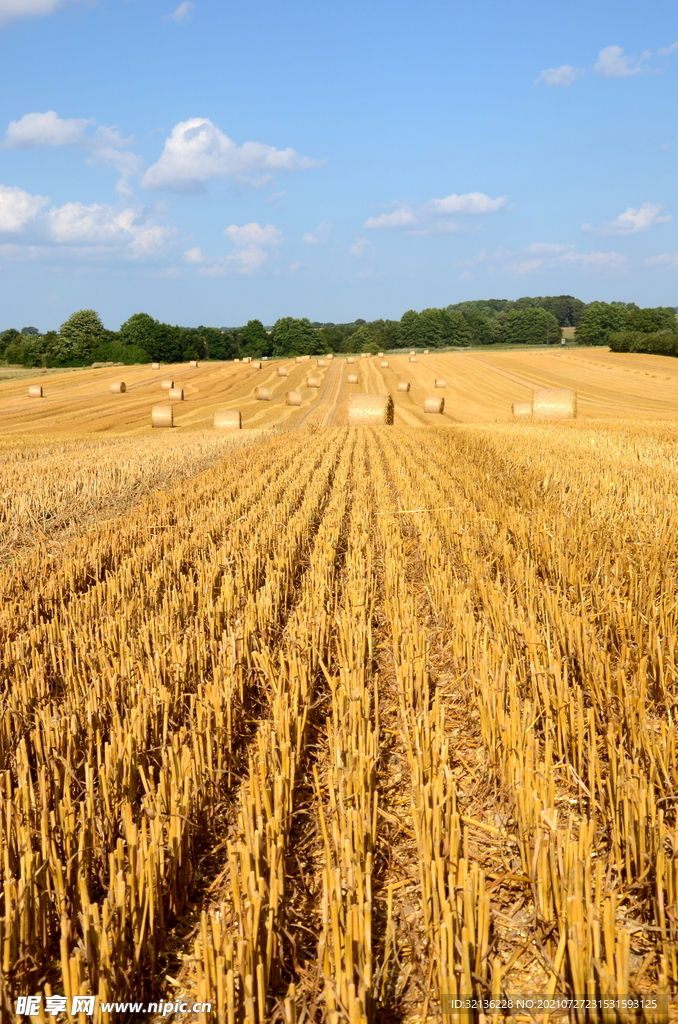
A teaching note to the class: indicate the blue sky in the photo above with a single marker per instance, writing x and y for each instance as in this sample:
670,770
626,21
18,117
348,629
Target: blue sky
212,162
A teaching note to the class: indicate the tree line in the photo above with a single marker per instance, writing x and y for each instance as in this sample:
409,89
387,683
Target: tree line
83,339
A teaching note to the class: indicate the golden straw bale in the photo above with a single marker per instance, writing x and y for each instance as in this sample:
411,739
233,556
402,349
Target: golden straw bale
352,378
413,359
119,387
330,355
522,410
413,351
194,362
262,394
298,359
256,365
434,404
425,351
384,364
35,391
403,385
228,419
380,355
155,366
167,385
554,404
293,398
247,359
176,394
350,359
313,382
440,383
162,416
322,362
364,355
305,359
370,410
236,360
283,371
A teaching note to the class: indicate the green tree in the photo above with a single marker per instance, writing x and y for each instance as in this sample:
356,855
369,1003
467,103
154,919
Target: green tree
652,319
292,337
530,326
254,340
599,320
78,338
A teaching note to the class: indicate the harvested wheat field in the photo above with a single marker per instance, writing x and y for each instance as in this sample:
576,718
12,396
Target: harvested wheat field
363,725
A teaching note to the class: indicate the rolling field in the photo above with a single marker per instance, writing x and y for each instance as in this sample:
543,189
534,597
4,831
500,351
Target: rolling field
322,723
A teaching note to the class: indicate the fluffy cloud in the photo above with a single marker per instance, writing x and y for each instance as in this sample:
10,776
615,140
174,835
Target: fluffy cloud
434,217
545,256
632,221
564,75
320,236
11,9
182,14
253,244
198,150
105,146
666,259
18,208
614,63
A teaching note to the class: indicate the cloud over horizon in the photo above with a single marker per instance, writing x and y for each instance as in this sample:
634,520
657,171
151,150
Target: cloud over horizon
632,221
434,217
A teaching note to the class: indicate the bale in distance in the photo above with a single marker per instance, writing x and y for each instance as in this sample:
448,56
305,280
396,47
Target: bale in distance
293,398
283,371
247,359
380,355
256,365
522,410
384,364
305,359
162,416
322,362
413,351
330,355
350,359
352,378
434,404
413,359
298,359
194,362
167,385
119,387
155,366
364,355
554,404
312,382
370,410
262,394
403,385
35,390
176,394
228,419
440,383
425,351
236,360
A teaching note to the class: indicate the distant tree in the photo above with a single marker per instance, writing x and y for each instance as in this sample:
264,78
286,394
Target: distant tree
7,337
599,320
663,343
221,345
254,340
482,327
78,338
294,337
408,329
30,330
652,319
530,326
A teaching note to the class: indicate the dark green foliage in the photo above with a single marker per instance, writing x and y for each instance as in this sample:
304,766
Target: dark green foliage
660,343
78,337
292,337
599,321
530,325
651,320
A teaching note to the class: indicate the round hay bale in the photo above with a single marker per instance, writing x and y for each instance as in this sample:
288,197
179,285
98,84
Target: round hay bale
413,359
522,410
262,394
370,410
228,419
305,359
434,404
440,383
256,365
283,371
425,351
554,404
167,385
350,359
155,366
384,364
352,378
194,362
176,394
403,385
380,355
313,382
298,359
322,362
413,351
247,359
162,416
236,360
365,355
35,390
293,398
119,388
330,355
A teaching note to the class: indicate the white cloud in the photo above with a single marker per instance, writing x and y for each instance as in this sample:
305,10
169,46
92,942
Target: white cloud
18,208
361,247
11,9
546,256
666,50
198,150
434,217
666,259
253,244
564,75
614,63
320,236
182,14
632,221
